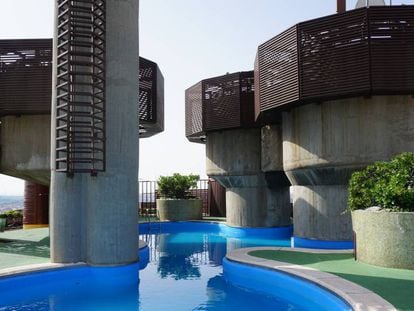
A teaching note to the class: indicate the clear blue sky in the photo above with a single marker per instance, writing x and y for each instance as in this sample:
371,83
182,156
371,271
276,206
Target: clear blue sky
190,40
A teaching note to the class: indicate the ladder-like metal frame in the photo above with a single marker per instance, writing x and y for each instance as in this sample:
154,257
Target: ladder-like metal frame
80,87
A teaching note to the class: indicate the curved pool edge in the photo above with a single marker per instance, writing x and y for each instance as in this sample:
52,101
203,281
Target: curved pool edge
215,227
321,244
38,268
358,297
143,250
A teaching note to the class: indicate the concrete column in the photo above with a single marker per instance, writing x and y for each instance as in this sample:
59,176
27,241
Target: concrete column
94,219
234,160
326,218
324,143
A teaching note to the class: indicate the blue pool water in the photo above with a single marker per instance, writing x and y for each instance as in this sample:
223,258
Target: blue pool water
184,272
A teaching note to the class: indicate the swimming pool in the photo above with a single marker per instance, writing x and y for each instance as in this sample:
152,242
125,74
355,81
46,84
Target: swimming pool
184,272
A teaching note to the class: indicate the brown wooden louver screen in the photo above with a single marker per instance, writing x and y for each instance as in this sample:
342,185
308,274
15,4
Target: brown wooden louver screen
36,204
151,98
25,76
277,70
362,52
80,87
194,115
219,103
26,83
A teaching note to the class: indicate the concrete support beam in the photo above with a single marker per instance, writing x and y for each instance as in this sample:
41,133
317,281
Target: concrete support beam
234,159
257,207
94,219
25,147
324,143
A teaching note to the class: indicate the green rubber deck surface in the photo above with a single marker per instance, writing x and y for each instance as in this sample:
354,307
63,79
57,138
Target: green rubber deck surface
24,247
394,285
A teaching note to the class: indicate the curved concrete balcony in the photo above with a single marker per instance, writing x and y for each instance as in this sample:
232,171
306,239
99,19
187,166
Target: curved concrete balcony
219,103
362,52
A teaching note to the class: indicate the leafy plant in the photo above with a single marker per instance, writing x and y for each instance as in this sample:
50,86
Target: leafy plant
13,213
177,186
389,185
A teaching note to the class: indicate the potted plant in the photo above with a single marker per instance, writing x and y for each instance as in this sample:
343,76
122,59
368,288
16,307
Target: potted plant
381,198
3,219
176,202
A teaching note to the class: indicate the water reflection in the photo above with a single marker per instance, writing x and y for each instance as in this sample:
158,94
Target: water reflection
180,256
184,273
72,289
185,269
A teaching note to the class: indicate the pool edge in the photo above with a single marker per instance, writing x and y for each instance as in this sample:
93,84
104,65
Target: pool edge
358,297
49,266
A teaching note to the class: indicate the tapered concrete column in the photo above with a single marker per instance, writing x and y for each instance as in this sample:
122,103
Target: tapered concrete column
94,219
234,160
324,143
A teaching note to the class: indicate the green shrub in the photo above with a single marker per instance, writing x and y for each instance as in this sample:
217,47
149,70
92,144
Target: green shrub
177,186
14,213
389,185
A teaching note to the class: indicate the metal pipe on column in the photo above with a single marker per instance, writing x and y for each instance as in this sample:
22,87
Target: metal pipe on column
340,6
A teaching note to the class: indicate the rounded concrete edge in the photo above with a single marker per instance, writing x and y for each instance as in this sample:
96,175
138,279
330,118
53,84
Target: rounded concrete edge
44,267
35,268
358,297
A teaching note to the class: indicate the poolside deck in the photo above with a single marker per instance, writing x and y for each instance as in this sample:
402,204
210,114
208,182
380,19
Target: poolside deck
25,247
394,285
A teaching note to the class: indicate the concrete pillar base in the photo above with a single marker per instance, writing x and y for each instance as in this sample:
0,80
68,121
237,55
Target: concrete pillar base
257,207
318,213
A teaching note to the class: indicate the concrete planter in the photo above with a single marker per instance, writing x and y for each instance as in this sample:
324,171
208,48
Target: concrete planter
384,238
179,209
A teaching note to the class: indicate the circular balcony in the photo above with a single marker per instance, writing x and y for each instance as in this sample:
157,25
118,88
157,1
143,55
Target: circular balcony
219,103
363,52
26,83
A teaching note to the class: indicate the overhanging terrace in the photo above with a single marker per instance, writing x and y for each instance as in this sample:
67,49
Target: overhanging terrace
26,83
362,52
219,103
